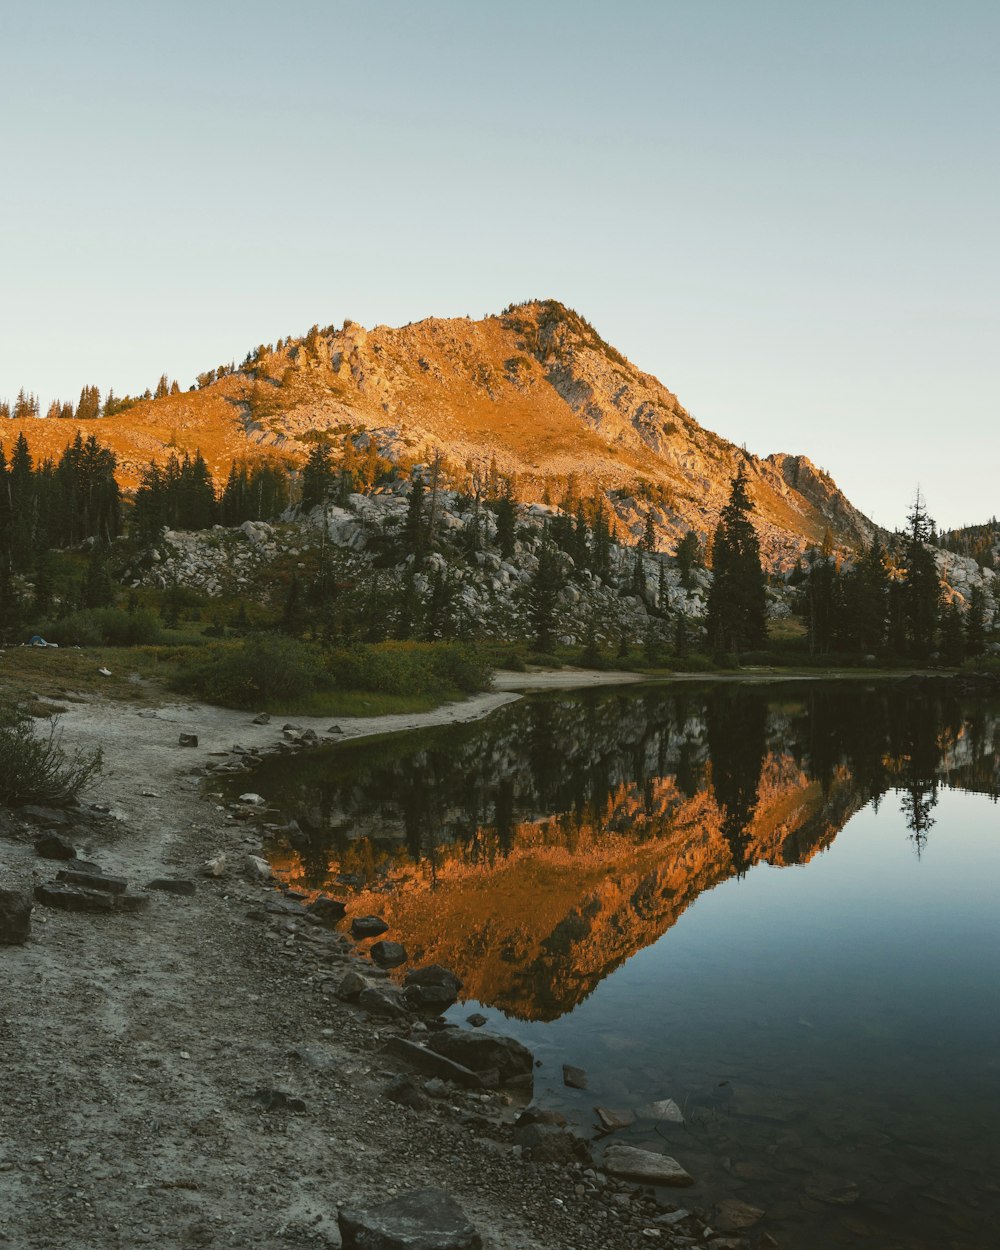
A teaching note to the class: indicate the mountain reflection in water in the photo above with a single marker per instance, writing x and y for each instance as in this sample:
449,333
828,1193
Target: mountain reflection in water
538,850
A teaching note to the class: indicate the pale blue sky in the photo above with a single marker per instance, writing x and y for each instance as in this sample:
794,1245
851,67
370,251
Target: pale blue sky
788,211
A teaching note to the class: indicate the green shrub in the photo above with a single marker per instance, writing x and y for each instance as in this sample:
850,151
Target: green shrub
268,669
410,668
983,665
35,768
111,627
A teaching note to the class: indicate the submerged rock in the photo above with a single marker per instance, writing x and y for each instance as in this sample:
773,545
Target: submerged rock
631,1163
423,1219
574,1078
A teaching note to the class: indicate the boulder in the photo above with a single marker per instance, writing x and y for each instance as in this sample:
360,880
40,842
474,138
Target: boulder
15,918
438,1066
73,897
389,954
368,926
431,988
483,1051
52,846
549,1143
327,910
382,1000
423,1219
406,1094
188,740
645,1166
732,1215
612,1120
351,986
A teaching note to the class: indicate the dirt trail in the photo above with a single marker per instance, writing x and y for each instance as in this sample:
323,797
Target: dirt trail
132,1045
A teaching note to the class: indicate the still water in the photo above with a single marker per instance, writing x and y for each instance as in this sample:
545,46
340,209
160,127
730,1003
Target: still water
777,906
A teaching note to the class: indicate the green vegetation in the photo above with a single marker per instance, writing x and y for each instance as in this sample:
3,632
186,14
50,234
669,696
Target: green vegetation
272,672
36,769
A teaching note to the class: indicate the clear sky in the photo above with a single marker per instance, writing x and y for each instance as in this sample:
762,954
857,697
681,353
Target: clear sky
788,211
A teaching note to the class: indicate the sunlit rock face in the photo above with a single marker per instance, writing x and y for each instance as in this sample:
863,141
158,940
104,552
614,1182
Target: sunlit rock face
536,853
534,391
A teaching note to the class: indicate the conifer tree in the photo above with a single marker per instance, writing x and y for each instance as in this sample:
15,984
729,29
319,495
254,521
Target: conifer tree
737,603
922,592
688,556
952,635
504,509
317,475
543,594
415,524
975,623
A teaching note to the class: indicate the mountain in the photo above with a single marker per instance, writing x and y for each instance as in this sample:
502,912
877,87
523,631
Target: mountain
535,390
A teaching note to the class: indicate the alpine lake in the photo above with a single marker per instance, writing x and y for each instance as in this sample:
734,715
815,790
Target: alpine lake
776,905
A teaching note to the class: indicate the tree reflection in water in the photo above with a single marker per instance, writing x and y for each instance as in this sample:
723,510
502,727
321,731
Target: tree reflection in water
566,832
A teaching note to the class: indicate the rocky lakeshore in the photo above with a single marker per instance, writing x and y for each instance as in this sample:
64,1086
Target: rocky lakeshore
212,1063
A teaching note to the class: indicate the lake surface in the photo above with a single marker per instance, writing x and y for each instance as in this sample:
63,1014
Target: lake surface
778,906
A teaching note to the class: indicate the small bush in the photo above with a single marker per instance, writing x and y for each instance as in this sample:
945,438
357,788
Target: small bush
111,627
265,670
410,668
35,768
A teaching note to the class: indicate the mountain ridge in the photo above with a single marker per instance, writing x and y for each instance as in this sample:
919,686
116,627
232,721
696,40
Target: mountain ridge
533,390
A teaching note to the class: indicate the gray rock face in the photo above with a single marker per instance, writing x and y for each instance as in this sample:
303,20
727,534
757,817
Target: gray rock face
646,1166
423,1219
382,1000
484,1052
15,918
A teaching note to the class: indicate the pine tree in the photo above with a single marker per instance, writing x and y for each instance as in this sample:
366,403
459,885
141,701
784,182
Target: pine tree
317,475
952,637
688,556
415,524
737,602
543,594
975,623
648,540
922,591
505,514
98,589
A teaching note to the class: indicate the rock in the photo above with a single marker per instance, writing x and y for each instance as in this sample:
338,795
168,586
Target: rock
93,881
52,846
15,918
172,885
389,954
327,910
216,866
484,1051
732,1216
351,986
423,1219
540,1115
315,1057
665,1109
335,729
131,902
188,740
431,988
383,1000
309,737
73,897
612,1120
646,1166
260,869
105,672
262,718
477,1020
407,1094
278,1100
672,1217
574,1078
436,1065
254,800
548,1143
368,926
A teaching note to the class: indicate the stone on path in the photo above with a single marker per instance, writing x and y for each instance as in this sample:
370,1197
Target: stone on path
216,866
52,846
423,1219
631,1163
66,897
15,918
382,1000
172,885
188,740
351,986
93,881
